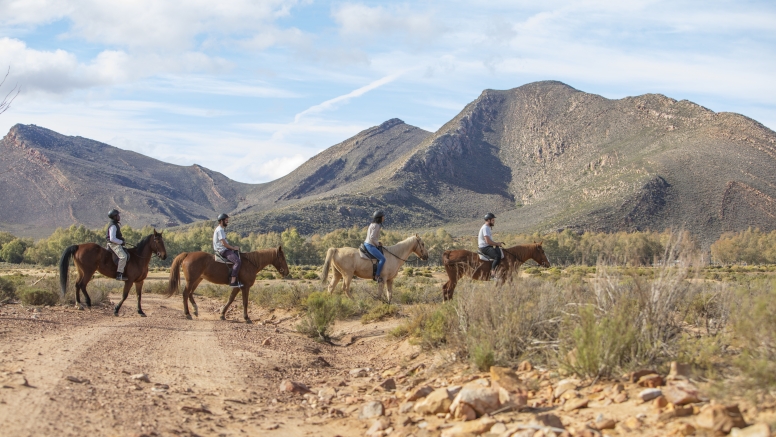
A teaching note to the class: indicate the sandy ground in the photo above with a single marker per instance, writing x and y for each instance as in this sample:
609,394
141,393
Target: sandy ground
207,377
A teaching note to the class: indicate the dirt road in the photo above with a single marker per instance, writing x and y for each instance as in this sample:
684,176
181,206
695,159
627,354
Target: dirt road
69,372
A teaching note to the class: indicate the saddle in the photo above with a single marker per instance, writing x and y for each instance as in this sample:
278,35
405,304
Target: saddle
366,255
220,259
484,257
115,257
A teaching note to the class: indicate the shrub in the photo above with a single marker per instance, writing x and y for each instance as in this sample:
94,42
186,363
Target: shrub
379,312
7,290
311,275
754,326
483,356
37,296
321,309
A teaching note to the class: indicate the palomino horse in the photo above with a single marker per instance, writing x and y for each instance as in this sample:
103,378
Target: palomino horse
201,265
459,263
348,263
91,257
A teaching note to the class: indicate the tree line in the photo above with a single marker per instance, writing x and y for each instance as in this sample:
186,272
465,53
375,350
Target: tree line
563,248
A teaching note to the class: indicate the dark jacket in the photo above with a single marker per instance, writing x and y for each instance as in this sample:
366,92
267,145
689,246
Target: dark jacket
118,231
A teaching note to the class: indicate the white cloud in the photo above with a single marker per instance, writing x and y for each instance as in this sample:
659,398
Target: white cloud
358,21
275,168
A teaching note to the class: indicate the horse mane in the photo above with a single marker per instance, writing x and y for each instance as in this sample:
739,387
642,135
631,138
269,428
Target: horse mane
522,251
141,245
261,256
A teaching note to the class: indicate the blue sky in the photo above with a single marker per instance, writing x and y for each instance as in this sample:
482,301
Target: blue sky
254,88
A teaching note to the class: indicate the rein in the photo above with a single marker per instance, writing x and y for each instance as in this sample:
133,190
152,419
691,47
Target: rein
405,260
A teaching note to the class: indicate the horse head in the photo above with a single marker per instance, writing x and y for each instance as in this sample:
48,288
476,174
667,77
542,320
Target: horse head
157,245
420,249
539,256
279,262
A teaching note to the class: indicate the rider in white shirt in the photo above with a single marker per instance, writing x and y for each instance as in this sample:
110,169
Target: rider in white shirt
226,250
487,245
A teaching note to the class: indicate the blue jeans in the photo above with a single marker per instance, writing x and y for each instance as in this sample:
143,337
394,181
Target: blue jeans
375,252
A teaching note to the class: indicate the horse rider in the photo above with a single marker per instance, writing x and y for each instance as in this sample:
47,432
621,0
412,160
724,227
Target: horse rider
116,243
487,245
372,242
226,250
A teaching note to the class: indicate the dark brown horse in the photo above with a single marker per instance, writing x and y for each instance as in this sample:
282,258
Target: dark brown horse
201,265
460,263
90,258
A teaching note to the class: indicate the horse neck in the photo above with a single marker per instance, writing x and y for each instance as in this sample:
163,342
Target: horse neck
523,252
145,251
403,248
261,258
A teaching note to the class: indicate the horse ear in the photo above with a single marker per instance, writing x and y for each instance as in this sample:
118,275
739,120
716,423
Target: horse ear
540,243
280,248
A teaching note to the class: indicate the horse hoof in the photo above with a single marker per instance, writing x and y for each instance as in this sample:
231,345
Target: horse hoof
116,313
79,307
188,316
222,317
248,321
142,314
196,313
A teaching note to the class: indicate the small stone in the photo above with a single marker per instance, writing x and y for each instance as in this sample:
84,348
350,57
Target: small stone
293,387
575,404
464,412
270,426
651,381
660,402
635,376
361,372
564,386
720,418
632,423
406,407
756,430
623,397
680,411
379,425
267,341
388,384
498,428
550,420
685,429
372,409
420,392
605,424
649,394
681,393
140,377
438,401
482,399
75,380
506,378
474,427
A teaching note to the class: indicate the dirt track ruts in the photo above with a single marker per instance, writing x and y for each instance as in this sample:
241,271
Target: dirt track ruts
207,377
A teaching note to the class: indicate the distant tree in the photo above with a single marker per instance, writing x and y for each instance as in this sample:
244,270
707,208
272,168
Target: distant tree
6,103
13,251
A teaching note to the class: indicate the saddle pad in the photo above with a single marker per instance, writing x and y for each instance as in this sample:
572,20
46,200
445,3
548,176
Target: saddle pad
483,257
221,259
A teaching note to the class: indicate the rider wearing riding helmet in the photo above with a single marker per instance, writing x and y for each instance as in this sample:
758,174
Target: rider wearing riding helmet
372,242
487,245
226,250
116,243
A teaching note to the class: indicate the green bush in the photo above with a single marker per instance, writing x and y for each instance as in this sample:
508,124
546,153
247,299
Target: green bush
311,275
321,310
379,312
754,325
483,356
37,296
7,290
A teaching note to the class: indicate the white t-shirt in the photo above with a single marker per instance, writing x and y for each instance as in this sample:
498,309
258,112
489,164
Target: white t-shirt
373,234
218,235
484,230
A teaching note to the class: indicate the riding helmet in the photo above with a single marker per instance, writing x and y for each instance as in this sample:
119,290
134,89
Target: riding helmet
223,216
378,213
489,216
113,213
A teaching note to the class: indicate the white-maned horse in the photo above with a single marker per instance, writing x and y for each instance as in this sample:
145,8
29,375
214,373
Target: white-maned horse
348,263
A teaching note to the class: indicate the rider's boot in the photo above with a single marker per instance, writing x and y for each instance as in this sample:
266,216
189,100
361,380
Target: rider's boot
236,284
120,277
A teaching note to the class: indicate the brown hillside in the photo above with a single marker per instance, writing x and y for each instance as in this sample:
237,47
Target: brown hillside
51,180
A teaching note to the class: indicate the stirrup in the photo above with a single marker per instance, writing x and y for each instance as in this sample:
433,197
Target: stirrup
237,284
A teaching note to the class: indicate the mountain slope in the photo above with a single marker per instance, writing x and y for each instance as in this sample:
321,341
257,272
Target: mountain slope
546,156
51,180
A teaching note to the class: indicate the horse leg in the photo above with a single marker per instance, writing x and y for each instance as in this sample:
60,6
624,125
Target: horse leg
139,290
85,278
194,304
335,278
346,284
229,302
245,305
389,289
127,286
188,294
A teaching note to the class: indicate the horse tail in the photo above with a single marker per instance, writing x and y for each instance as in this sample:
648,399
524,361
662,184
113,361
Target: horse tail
64,267
175,274
329,255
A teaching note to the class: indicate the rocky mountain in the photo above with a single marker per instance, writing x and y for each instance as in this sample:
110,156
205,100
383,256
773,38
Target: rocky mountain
50,180
546,156
542,157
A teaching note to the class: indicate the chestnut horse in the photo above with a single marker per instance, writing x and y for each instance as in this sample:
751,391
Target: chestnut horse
459,263
91,257
201,265
347,262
